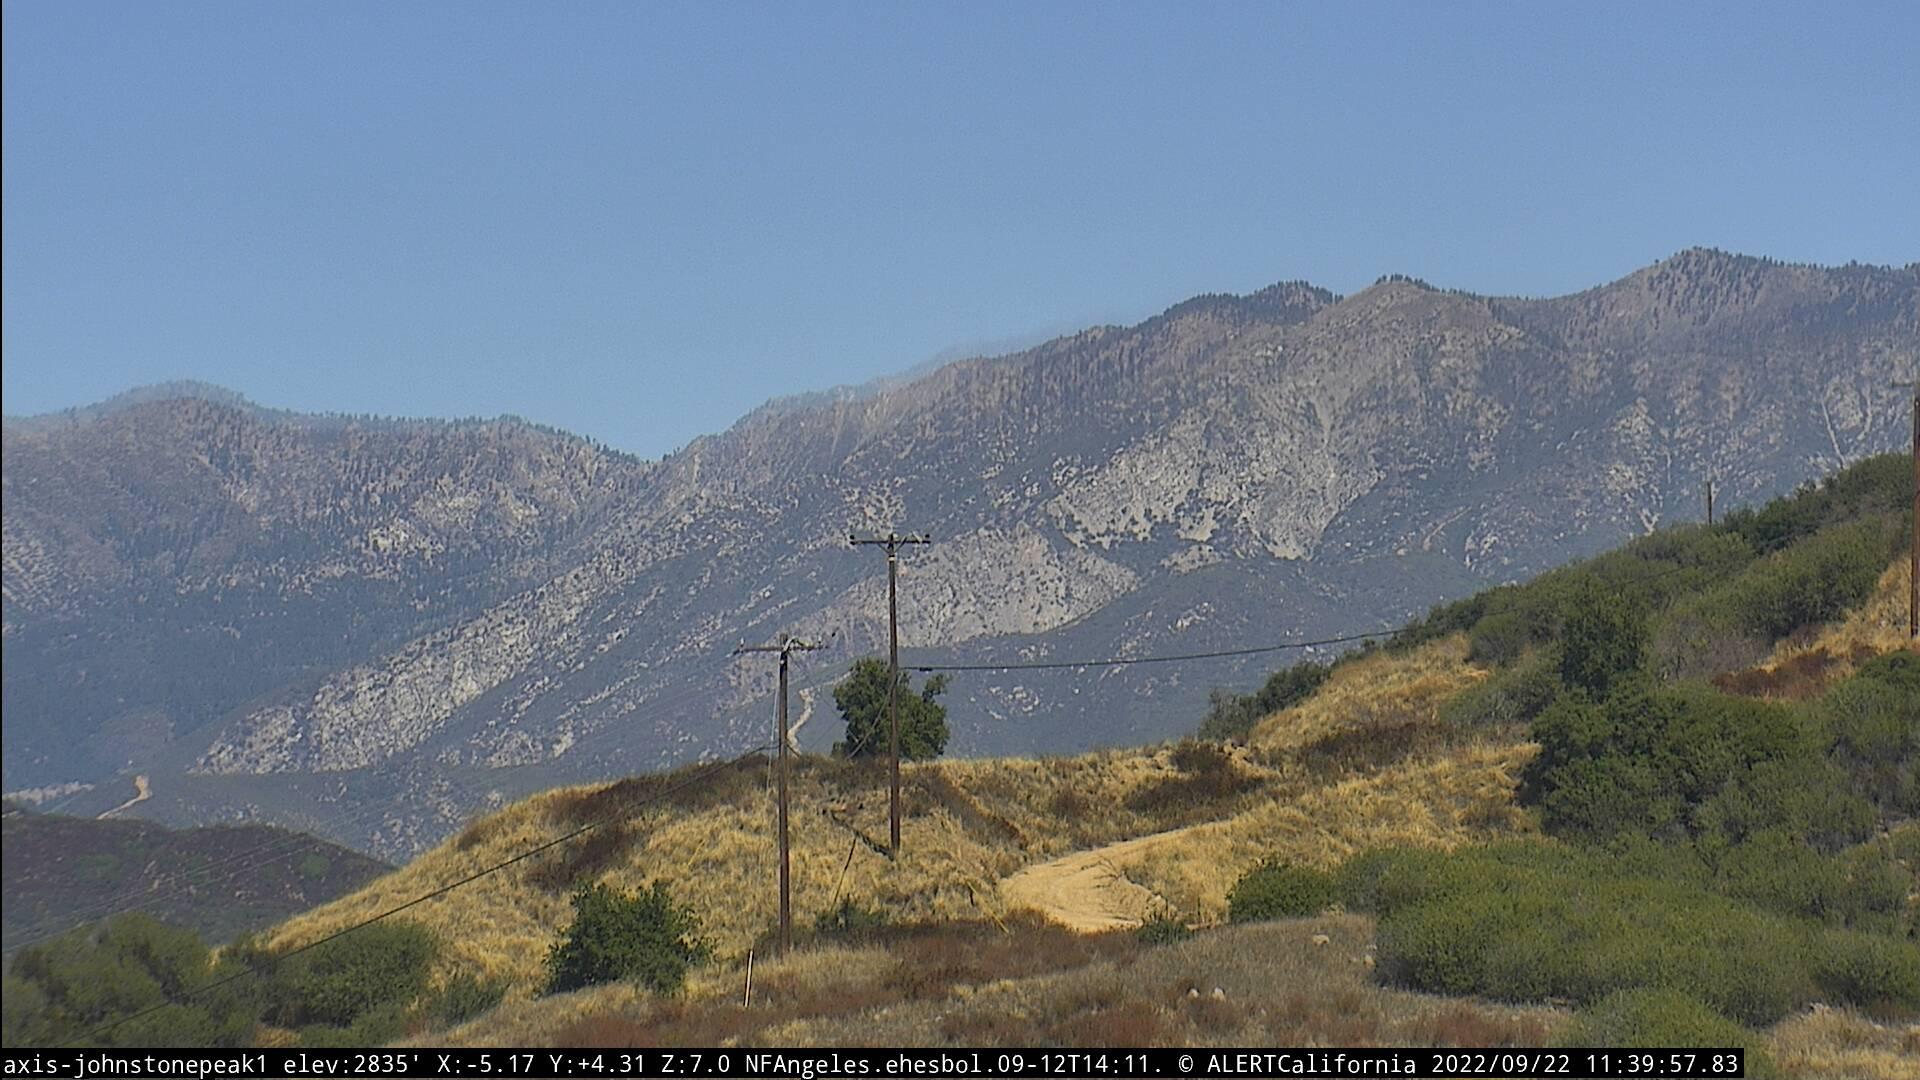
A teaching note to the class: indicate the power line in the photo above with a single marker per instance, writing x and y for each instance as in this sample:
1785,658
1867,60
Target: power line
605,819
287,846
1342,639
1120,661
209,877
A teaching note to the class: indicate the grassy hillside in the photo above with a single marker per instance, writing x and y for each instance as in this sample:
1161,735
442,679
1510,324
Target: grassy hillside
1665,797
967,826
220,880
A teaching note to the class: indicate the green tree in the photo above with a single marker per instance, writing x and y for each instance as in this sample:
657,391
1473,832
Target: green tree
862,700
642,936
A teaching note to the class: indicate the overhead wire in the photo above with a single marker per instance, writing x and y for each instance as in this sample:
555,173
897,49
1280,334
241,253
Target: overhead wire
627,810
1759,551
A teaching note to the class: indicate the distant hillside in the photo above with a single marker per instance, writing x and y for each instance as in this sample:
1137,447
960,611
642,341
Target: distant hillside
218,880
387,625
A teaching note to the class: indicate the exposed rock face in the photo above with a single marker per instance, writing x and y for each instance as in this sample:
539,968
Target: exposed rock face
255,593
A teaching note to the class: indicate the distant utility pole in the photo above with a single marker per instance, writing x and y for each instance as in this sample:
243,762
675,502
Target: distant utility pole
784,646
1709,499
893,542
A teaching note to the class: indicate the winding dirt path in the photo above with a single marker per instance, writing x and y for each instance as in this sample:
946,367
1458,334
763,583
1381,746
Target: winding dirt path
1087,891
141,793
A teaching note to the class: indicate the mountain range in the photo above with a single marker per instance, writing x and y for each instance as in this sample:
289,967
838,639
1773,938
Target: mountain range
369,628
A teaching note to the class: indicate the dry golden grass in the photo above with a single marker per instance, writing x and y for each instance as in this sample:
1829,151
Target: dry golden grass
1844,1045
1803,665
1385,690
1032,985
1464,797
720,860
967,826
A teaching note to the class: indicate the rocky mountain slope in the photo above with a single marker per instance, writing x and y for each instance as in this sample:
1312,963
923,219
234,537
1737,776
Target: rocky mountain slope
381,625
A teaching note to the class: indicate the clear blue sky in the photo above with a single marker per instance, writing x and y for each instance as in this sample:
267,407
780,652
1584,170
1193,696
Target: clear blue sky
639,220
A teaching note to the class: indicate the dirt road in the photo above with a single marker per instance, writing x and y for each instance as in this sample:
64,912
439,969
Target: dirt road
1086,891
141,793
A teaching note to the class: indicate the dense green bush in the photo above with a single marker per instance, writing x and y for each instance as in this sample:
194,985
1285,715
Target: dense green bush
1878,972
62,992
1687,761
1682,573
1873,721
1654,1019
1381,881
1603,638
1813,581
1163,930
643,936
1504,636
1875,485
1278,890
1532,921
1232,716
380,966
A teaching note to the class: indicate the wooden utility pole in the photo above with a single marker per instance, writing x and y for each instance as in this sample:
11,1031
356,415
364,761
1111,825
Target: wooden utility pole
893,542
785,646
1709,499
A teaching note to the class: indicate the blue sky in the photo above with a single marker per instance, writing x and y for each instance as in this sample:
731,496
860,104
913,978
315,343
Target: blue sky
639,220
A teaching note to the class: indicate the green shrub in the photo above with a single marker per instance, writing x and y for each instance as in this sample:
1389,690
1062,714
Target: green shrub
1806,796
1604,637
1532,922
334,984
1232,716
1502,637
1278,890
375,1027
1876,884
1873,722
1655,1019
1687,762
644,936
1775,871
61,992
1163,930
1870,970
1381,881
1516,695
1814,581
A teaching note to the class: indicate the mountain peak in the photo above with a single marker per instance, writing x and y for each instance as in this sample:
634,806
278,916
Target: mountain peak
171,390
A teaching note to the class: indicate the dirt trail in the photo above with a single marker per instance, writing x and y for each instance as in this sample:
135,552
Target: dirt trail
806,713
141,793
1087,891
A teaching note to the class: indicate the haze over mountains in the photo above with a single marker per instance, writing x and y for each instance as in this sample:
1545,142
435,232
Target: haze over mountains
370,627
